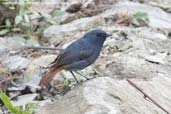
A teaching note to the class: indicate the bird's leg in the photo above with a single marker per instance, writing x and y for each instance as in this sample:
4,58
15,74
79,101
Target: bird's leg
74,77
82,75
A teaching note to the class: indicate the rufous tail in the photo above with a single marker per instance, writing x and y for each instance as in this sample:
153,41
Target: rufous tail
49,76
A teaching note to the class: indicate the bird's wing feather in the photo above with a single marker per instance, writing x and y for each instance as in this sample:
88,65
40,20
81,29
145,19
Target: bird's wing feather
84,54
62,53
69,56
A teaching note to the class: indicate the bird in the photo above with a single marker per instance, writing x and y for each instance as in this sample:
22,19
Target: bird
78,55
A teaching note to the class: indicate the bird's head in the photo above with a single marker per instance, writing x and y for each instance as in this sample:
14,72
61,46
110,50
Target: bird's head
96,35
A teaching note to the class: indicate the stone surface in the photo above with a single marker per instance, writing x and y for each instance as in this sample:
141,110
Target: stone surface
57,33
16,63
109,96
155,20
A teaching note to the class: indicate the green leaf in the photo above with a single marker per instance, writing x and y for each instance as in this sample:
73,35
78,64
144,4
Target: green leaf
25,112
31,107
5,99
18,19
4,31
14,110
141,16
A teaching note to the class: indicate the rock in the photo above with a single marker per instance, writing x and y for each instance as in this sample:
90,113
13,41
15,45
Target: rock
59,16
161,21
14,63
14,44
3,48
121,66
160,3
98,3
1,111
24,99
57,33
46,6
148,53
158,58
10,43
34,71
2,44
147,33
75,7
105,95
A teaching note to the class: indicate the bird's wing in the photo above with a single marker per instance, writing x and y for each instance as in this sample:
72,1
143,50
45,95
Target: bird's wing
78,50
71,56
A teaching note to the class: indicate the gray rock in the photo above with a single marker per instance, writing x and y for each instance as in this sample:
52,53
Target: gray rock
161,21
25,99
150,34
161,3
55,34
2,44
14,63
121,66
58,33
34,71
109,96
8,43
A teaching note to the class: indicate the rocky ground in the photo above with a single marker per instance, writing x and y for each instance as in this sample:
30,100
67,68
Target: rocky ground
139,49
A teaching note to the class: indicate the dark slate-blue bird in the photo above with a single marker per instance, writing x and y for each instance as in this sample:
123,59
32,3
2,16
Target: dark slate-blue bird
78,55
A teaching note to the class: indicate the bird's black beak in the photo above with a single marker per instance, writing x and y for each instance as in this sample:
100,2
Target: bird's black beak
108,35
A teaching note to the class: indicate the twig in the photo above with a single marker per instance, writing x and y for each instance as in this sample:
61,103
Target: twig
19,49
40,47
147,96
